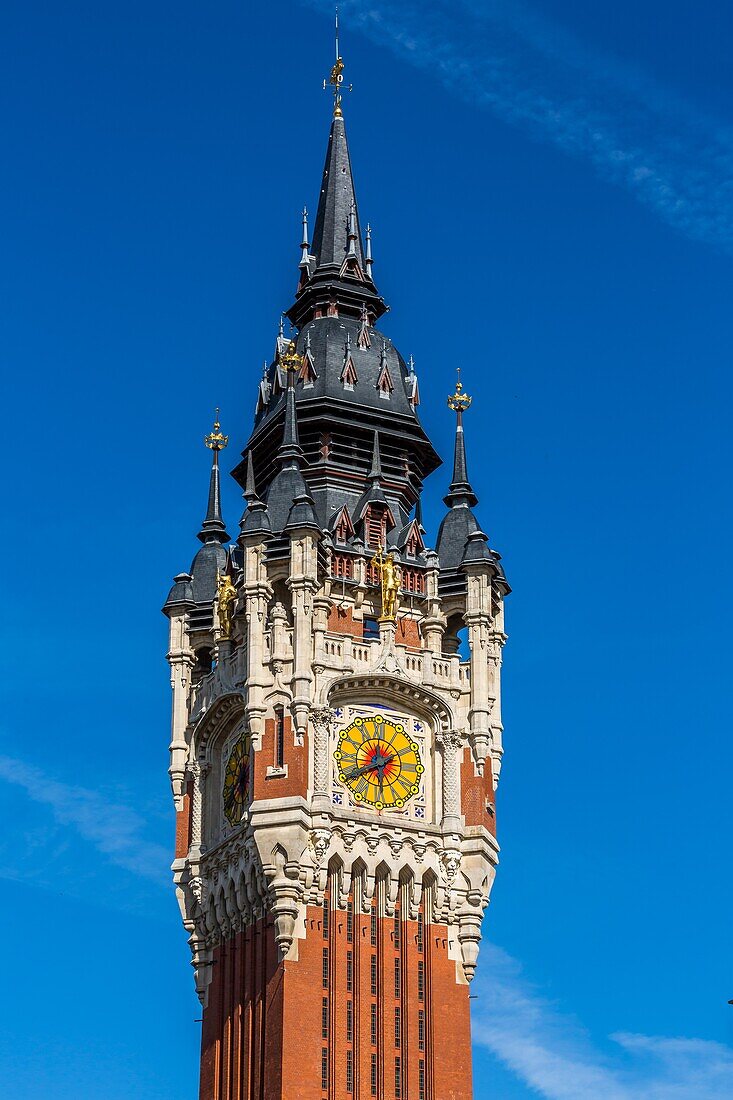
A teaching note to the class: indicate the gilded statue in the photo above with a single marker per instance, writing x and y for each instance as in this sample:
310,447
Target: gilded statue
226,595
390,576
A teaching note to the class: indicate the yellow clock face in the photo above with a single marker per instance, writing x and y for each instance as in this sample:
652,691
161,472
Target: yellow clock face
378,762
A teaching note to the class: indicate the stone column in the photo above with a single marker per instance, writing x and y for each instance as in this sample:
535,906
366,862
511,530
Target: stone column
450,742
198,771
181,662
478,607
322,721
303,584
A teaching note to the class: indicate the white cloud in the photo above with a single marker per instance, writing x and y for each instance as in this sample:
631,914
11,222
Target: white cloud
553,1054
674,158
115,830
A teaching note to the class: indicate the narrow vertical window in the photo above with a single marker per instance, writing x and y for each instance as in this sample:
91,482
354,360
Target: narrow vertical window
373,927
350,921
421,1029
373,975
398,1078
279,737
397,930
324,1018
397,1027
349,1071
326,913
324,968
397,977
420,931
373,1075
324,1069
421,1079
349,1021
349,971
421,980
373,1029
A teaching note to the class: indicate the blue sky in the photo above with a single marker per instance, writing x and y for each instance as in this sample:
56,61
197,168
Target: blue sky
549,186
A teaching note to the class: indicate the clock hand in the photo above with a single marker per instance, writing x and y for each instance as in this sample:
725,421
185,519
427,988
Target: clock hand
360,771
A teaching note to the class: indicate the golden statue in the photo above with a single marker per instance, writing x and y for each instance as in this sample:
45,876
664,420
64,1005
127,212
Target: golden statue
226,595
390,576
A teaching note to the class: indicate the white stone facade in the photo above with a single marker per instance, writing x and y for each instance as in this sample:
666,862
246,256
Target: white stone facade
283,654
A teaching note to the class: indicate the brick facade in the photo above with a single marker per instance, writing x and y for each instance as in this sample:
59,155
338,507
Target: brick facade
268,1021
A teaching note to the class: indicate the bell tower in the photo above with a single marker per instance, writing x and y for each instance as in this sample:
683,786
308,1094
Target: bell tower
336,731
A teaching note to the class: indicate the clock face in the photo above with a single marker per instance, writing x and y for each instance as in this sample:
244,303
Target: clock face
379,762
236,781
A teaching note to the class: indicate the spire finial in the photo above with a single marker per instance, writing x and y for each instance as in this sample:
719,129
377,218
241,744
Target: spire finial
459,401
336,78
290,360
304,243
213,529
368,259
216,440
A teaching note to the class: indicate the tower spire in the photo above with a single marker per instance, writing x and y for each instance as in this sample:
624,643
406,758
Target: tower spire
213,528
336,231
375,472
304,245
459,490
290,451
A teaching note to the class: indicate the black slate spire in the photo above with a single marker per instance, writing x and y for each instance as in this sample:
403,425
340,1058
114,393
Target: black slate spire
290,451
288,487
460,523
335,274
459,490
337,219
213,528
375,473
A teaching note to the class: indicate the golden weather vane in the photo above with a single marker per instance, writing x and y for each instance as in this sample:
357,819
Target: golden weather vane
216,440
336,78
459,401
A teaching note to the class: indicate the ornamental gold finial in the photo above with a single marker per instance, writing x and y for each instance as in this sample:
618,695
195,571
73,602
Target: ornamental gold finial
459,401
290,359
336,78
216,440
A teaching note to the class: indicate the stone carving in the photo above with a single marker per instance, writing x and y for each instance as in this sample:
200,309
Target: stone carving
319,841
451,861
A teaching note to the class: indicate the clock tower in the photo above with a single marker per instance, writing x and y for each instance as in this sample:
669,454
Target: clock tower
336,730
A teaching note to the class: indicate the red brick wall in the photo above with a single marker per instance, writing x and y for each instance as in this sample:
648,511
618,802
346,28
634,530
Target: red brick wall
262,1026
477,794
183,824
295,757
342,621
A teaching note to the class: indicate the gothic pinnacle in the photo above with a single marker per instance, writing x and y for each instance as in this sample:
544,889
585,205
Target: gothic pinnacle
213,528
369,261
460,490
304,245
